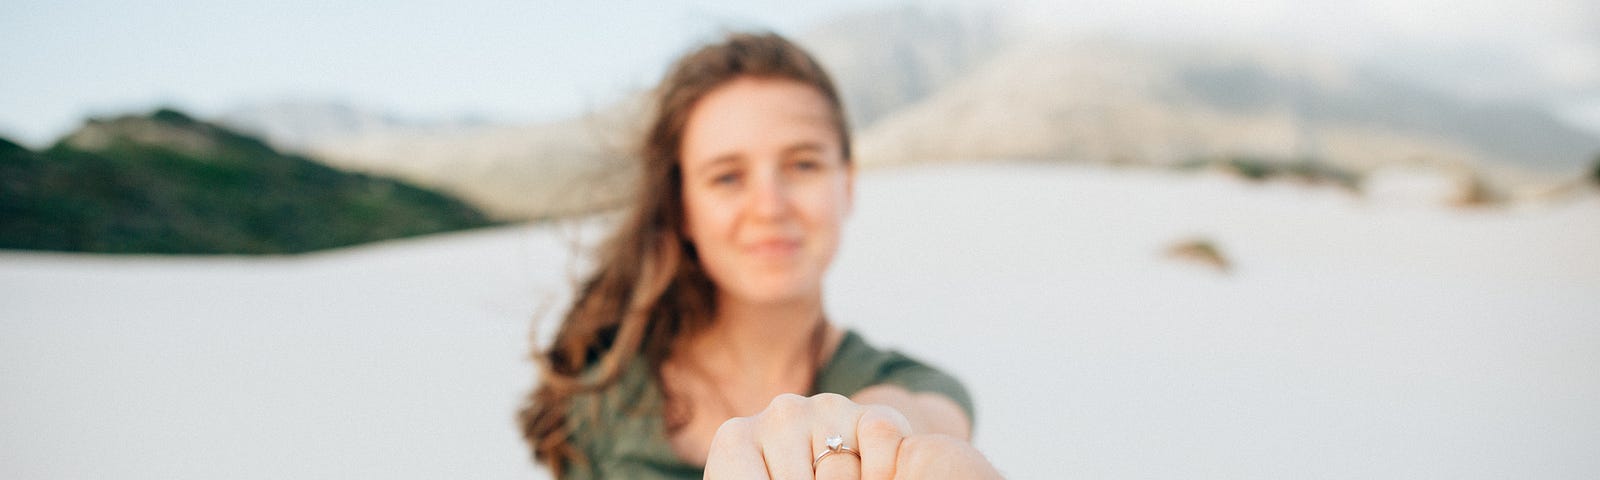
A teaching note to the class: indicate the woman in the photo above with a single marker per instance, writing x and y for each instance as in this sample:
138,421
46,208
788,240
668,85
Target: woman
686,352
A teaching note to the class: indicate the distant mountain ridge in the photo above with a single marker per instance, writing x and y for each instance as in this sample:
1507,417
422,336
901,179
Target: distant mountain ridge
167,183
925,85
1115,101
883,60
297,125
510,171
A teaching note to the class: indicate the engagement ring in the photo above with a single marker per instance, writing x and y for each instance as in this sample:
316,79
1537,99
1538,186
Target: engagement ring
835,445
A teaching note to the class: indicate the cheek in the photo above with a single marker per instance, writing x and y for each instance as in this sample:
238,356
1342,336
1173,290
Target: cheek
840,196
826,208
705,219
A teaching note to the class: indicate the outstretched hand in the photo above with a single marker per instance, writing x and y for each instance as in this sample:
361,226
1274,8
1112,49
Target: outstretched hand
783,441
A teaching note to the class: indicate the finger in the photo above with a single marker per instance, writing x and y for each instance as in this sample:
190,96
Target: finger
735,455
839,466
880,429
837,417
784,435
943,456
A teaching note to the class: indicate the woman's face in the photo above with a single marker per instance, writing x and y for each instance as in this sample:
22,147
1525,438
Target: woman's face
765,188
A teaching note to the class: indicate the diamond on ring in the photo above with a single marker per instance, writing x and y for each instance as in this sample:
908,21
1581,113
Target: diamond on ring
835,444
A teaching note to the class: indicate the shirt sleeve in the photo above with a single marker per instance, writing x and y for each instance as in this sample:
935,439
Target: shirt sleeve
912,375
858,365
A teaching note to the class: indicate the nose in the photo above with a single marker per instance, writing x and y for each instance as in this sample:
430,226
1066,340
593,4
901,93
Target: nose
769,198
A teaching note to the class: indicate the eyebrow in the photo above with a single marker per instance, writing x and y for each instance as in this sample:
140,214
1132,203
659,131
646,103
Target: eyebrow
734,157
719,160
803,147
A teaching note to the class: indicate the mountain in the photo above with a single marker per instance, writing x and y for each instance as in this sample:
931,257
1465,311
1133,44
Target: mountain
882,60
926,85
297,125
167,183
510,171
1119,101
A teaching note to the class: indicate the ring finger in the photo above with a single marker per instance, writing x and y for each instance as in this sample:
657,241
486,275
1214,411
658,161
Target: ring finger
834,446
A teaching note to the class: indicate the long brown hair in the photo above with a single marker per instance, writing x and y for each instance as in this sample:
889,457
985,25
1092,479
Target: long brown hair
648,289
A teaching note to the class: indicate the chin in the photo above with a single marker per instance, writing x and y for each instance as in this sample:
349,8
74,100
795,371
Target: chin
775,290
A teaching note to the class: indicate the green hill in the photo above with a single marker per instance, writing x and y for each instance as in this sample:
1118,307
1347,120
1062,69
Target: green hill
167,183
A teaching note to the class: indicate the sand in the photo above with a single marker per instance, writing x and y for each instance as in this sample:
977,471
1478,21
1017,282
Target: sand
1351,338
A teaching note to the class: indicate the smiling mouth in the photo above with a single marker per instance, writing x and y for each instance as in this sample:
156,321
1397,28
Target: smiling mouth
773,248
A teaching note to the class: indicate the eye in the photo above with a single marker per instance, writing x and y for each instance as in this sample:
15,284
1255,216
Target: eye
726,178
806,165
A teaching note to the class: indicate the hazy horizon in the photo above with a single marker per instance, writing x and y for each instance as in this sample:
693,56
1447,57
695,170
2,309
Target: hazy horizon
518,61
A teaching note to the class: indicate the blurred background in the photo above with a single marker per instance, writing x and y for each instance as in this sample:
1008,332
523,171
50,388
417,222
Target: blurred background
1182,238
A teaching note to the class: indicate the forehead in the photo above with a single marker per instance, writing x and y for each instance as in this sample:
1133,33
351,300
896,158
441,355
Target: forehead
755,116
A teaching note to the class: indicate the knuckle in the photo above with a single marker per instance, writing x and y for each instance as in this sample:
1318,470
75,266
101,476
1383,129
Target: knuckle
784,408
733,429
831,400
883,422
787,401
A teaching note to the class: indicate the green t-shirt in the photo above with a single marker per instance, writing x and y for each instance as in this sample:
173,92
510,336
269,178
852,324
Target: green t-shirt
627,438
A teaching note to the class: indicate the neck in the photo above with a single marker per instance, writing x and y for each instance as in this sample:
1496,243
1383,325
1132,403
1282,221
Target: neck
762,344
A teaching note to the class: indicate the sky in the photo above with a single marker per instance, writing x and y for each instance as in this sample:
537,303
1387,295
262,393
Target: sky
509,60
501,59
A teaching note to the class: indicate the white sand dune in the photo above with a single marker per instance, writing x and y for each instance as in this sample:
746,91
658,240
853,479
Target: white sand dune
1351,339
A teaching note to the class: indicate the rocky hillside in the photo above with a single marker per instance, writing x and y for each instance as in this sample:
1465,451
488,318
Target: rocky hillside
927,86
298,125
884,60
881,61
166,183
510,171
1109,101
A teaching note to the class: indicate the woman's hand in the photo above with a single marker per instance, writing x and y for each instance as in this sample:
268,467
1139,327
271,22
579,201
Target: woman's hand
781,442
